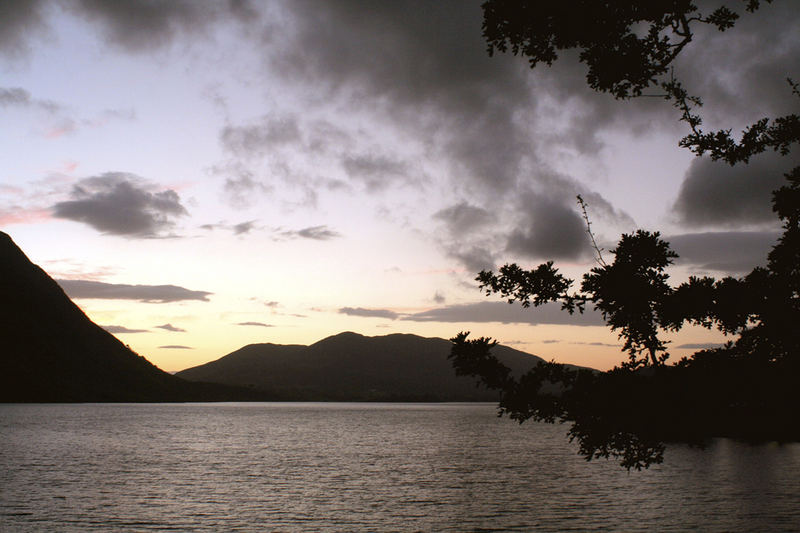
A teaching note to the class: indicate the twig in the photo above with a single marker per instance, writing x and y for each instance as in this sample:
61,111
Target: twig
597,249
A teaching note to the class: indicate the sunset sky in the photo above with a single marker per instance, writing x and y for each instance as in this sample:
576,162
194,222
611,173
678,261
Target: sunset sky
204,175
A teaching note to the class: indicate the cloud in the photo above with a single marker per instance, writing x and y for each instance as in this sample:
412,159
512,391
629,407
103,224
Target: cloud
176,347
427,68
714,193
551,230
119,203
170,327
439,298
377,172
243,227
507,314
19,97
143,26
731,252
595,343
19,19
369,313
316,233
463,217
700,346
58,122
259,138
748,63
22,215
261,324
115,330
240,182
474,258
264,153
543,221
63,126
77,288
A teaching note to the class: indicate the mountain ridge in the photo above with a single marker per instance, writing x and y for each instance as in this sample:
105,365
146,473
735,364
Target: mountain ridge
352,367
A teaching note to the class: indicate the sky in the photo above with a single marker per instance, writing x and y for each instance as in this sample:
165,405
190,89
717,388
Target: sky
202,175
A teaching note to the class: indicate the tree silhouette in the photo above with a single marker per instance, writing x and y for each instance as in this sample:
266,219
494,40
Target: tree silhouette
746,388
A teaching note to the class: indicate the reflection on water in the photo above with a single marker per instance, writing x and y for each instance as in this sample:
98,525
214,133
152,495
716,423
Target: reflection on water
339,467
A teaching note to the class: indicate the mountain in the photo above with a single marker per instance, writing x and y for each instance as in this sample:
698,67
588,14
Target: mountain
349,366
51,352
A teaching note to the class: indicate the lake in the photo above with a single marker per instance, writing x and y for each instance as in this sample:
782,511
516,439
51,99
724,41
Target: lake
359,467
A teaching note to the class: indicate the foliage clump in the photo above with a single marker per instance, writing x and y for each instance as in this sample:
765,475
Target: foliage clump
749,388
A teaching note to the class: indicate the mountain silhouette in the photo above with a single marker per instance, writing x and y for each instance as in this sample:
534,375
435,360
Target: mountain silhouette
352,367
51,352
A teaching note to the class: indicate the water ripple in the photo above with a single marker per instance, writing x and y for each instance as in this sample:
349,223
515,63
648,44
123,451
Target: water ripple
352,467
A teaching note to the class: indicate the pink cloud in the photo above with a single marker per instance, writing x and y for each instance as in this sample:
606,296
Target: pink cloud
69,166
11,189
24,216
65,127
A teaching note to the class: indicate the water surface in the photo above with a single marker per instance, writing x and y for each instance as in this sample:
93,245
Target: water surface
351,467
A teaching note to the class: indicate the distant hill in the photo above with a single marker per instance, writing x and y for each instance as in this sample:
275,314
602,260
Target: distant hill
349,366
51,352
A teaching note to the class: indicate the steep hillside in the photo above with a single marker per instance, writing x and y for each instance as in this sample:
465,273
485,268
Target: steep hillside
51,352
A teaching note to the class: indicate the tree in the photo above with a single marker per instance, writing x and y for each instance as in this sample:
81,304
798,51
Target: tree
745,389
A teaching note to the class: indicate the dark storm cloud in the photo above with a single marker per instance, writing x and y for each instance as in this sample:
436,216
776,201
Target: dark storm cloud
19,97
19,19
473,258
506,314
732,252
170,327
553,231
370,313
426,64
316,233
542,222
714,193
115,330
260,324
119,203
436,50
549,222
145,25
463,217
741,73
78,288
133,25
